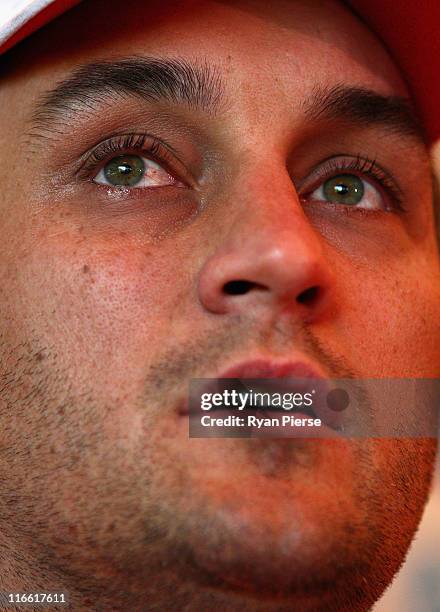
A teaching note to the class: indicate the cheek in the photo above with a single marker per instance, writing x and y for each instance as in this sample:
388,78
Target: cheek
101,308
392,319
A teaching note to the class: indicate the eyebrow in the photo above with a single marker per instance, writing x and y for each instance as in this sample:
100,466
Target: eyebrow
360,106
197,85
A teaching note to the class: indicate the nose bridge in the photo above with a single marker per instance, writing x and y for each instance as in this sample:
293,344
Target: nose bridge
270,218
269,253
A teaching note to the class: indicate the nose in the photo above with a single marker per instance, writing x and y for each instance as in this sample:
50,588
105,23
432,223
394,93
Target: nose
271,258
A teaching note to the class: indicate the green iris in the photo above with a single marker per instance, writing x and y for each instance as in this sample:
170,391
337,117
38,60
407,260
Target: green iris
125,171
344,189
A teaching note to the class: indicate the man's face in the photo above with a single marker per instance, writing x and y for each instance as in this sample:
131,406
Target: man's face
266,198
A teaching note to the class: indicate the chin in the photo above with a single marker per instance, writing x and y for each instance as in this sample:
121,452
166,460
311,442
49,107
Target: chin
249,575
314,564
313,525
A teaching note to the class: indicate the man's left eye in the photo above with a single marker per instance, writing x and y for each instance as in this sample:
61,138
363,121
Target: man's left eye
133,171
349,190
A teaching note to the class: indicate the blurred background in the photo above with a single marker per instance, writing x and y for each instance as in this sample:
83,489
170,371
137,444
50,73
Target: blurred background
417,587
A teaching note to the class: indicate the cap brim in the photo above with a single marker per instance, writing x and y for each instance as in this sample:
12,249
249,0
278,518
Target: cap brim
20,18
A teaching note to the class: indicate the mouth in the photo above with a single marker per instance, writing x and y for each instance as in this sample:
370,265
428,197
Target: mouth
298,378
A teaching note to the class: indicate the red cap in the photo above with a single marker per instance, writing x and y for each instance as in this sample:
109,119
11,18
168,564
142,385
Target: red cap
408,28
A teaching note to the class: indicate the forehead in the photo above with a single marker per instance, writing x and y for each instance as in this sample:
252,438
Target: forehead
293,42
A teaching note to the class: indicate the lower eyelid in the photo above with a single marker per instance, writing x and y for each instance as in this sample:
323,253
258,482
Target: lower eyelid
120,196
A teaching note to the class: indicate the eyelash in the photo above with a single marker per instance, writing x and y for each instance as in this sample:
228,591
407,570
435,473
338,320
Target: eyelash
365,168
149,146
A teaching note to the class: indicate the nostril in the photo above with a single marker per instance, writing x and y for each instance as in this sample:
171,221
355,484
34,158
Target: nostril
238,287
309,296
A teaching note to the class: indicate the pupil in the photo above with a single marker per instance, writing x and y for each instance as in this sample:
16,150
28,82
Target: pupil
125,169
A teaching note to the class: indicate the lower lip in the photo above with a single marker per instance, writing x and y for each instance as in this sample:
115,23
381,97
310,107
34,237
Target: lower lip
260,369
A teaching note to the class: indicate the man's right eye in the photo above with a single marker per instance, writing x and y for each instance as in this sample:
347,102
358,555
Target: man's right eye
133,171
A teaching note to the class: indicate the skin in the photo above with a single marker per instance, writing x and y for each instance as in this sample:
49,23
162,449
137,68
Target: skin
111,301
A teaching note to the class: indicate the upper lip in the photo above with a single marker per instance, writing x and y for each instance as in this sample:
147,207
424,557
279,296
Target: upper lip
278,370
264,368
307,378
